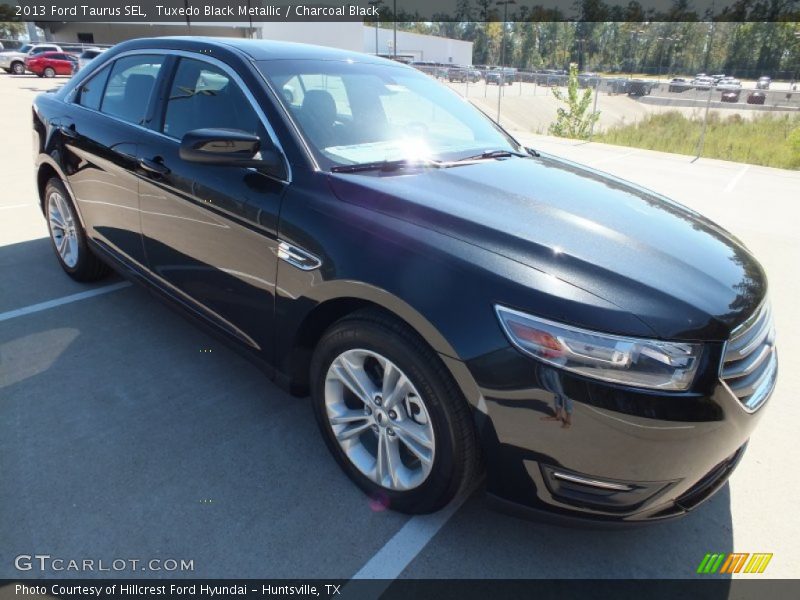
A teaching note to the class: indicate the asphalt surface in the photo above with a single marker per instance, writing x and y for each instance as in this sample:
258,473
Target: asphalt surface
127,432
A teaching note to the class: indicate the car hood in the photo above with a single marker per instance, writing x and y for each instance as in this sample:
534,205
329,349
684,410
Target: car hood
680,273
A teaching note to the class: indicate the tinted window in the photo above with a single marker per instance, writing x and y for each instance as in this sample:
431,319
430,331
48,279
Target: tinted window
129,87
358,113
201,95
91,92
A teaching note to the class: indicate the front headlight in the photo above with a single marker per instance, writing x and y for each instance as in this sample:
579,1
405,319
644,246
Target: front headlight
636,362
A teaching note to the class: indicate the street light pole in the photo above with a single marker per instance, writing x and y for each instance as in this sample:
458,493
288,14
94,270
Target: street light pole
797,72
504,4
376,3
394,46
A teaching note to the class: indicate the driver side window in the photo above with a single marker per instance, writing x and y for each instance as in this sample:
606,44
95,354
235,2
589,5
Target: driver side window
203,96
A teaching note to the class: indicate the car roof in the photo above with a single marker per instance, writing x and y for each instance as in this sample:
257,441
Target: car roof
268,49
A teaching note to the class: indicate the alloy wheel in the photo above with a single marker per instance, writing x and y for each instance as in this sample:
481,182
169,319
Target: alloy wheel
379,419
63,228
18,68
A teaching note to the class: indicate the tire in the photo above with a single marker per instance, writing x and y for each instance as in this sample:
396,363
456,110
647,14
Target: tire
18,68
431,403
49,72
79,262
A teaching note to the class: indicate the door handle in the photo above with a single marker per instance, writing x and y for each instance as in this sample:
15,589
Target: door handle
154,165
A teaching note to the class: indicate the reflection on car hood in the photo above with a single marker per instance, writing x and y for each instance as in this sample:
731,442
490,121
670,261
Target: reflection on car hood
680,273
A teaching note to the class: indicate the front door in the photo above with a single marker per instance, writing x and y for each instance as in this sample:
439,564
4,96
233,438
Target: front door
210,232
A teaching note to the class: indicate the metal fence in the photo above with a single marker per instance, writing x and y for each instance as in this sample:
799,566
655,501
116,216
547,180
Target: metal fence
528,104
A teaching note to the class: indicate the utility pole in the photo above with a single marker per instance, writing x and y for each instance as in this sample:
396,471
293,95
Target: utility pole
634,45
504,4
394,46
376,3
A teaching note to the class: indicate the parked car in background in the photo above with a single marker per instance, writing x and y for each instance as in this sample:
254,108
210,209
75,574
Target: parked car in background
501,76
13,61
616,85
678,85
729,82
88,55
763,83
640,87
730,95
588,80
50,64
463,75
457,74
552,77
703,83
757,97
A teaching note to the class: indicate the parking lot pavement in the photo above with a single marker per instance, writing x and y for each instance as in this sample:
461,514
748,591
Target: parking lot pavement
127,432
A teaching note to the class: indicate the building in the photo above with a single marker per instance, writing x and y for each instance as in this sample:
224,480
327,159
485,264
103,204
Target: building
347,35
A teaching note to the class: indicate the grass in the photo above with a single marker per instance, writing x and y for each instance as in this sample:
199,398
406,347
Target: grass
769,140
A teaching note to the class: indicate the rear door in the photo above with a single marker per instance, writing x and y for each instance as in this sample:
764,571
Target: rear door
103,130
210,232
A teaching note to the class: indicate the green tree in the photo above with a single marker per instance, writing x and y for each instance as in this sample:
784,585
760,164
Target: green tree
574,121
10,25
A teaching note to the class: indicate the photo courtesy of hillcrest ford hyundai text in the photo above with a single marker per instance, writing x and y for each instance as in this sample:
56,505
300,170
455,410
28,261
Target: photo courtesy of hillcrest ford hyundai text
456,304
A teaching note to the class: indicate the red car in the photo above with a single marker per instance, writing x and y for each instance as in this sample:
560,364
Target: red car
50,64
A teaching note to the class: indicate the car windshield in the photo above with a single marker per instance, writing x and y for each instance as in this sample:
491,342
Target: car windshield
25,49
355,113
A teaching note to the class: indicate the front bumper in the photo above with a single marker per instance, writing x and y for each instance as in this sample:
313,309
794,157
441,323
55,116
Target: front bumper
584,449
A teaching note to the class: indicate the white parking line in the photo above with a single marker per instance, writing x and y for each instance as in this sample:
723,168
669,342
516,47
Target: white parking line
16,206
403,547
34,308
732,183
612,158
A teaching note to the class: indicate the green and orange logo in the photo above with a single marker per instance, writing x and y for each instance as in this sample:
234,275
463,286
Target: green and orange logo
735,562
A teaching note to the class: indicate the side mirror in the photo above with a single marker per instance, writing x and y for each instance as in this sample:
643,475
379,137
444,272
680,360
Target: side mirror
229,147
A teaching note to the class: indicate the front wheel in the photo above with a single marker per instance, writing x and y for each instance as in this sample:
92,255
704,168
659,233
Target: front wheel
18,68
391,414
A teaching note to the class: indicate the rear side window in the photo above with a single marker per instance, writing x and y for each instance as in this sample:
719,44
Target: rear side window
91,93
201,96
130,86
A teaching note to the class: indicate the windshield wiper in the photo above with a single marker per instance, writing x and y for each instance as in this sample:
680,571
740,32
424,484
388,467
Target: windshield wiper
387,165
489,154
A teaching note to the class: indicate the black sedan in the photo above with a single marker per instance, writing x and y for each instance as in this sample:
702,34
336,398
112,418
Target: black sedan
453,302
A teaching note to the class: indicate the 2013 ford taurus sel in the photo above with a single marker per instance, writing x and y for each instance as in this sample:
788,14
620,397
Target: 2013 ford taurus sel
454,302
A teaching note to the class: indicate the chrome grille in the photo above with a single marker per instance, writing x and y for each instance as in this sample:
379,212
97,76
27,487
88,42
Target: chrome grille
750,364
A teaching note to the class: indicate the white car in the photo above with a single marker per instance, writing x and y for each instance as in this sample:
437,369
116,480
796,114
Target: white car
88,56
13,61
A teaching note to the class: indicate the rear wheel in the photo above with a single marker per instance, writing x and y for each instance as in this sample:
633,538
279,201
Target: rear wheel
18,68
68,237
391,414
49,72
